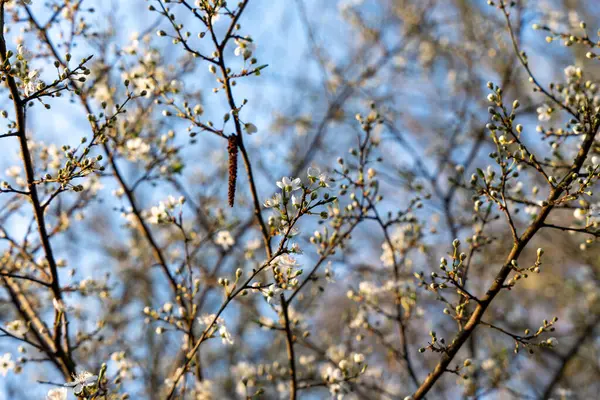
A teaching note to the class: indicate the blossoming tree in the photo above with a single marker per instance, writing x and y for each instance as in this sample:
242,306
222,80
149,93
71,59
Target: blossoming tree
412,216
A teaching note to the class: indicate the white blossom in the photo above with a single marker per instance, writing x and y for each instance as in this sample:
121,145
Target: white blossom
287,261
579,214
488,364
158,214
244,48
162,213
6,364
17,327
572,72
82,380
272,294
57,394
289,184
137,149
32,83
273,201
544,112
225,335
224,239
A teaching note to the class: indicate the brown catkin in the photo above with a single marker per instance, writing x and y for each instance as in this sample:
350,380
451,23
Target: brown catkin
232,149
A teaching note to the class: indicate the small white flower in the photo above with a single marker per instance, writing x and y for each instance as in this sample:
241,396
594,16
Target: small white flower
161,214
224,239
313,172
359,358
572,72
488,364
215,17
6,364
136,149
81,380
207,319
272,294
253,244
343,365
57,394
296,201
31,82
326,181
579,214
544,112
287,261
296,248
23,52
158,214
245,48
225,335
17,327
289,184
332,374
274,201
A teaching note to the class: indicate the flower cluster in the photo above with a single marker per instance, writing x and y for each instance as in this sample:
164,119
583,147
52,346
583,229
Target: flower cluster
163,213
